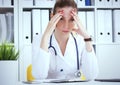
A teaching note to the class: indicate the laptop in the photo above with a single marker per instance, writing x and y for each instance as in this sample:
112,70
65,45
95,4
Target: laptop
55,81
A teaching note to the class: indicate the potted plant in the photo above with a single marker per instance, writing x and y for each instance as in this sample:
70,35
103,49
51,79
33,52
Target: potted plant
8,64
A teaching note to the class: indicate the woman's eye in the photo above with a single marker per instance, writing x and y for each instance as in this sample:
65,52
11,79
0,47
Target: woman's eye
61,19
72,19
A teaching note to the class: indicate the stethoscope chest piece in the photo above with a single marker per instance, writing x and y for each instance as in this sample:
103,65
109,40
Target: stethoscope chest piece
77,73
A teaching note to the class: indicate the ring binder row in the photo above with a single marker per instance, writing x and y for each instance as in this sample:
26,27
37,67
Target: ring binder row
50,3
7,27
6,2
34,23
108,27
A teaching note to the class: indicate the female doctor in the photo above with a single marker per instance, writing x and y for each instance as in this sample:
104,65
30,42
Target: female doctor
65,49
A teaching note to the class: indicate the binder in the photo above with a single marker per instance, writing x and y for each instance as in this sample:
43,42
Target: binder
108,26
100,2
82,17
27,27
36,22
42,3
0,31
100,26
116,2
116,20
10,27
92,2
76,1
108,2
27,2
87,2
90,24
44,20
1,3
81,3
7,2
3,27
105,26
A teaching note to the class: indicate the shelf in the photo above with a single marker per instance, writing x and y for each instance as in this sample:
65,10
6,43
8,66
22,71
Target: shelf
6,7
109,7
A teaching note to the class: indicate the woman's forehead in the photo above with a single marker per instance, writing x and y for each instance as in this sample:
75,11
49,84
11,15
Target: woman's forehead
66,11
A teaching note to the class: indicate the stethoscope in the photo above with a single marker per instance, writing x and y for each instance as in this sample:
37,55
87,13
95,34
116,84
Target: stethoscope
77,73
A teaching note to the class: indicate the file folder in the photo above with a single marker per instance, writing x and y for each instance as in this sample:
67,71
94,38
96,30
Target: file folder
81,3
116,3
7,2
87,2
82,17
27,2
44,20
3,27
116,19
36,22
100,2
100,26
10,27
1,3
27,27
90,24
108,26
108,2
45,3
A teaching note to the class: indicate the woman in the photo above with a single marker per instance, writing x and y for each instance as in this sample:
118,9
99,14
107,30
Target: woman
65,47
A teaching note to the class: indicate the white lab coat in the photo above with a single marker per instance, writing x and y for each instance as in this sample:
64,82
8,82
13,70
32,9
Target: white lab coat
47,65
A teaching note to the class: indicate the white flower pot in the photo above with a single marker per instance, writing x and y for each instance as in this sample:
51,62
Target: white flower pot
8,72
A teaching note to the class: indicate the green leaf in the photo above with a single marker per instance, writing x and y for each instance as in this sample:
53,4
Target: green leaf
8,52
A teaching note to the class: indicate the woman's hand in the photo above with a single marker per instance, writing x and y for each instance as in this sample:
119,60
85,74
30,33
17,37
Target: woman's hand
52,23
80,30
49,30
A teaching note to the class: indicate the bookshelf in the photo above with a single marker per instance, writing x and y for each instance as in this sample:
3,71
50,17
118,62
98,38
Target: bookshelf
104,50
9,21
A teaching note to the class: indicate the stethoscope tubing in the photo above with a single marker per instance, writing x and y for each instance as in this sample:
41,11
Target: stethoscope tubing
77,53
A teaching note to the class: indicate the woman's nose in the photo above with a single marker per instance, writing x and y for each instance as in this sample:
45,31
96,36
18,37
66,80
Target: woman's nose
66,25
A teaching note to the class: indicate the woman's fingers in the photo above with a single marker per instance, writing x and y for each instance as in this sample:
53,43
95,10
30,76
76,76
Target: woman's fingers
52,23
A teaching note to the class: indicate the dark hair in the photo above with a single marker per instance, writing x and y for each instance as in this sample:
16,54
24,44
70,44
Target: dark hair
64,3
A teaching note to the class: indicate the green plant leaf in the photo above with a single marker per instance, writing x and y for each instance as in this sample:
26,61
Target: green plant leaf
8,52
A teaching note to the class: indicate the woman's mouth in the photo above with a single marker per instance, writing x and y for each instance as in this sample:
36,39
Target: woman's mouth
65,31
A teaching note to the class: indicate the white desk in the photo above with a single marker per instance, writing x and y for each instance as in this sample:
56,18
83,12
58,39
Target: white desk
76,83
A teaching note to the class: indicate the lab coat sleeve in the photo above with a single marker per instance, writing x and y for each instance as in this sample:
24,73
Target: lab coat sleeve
40,60
89,65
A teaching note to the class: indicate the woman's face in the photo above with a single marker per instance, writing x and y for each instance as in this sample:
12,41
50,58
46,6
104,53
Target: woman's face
66,23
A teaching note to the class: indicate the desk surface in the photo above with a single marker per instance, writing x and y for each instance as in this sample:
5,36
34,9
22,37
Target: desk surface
75,83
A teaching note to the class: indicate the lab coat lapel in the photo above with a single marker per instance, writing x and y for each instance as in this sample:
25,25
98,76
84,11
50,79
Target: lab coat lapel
56,46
